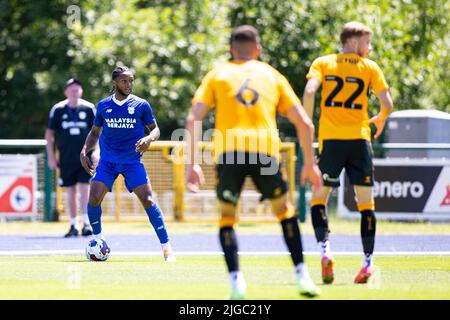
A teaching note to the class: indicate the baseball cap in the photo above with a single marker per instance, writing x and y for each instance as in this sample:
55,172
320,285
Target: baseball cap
72,81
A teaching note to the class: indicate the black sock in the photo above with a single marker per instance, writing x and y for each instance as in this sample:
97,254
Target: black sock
368,228
320,222
291,233
230,249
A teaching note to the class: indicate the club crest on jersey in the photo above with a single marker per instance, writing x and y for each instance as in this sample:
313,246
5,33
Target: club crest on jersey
131,110
82,115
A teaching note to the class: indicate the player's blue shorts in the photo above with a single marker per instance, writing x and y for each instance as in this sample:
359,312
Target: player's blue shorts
134,174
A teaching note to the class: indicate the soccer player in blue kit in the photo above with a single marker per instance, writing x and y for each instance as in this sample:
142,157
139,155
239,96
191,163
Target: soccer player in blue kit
120,125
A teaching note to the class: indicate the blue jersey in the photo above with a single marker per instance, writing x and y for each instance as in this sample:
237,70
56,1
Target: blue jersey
123,124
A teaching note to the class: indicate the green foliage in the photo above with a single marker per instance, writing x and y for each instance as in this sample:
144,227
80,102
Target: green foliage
170,48
32,62
411,42
172,44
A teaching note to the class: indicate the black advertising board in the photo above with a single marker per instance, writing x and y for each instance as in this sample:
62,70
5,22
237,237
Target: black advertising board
404,189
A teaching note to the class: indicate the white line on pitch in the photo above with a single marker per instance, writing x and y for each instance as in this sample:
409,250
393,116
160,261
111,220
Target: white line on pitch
218,253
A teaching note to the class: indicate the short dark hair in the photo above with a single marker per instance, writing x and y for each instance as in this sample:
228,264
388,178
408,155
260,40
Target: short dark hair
118,71
245,33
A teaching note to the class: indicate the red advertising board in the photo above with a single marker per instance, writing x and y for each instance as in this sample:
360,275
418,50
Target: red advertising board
18,185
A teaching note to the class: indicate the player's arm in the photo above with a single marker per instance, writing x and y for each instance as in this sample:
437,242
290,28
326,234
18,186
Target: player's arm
194,174
380,87
95,156
311,88
291,107
315,77
384,97
305,132
89,145
144,143
50,138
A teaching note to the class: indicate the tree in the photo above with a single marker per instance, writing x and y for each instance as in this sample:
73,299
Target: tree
170,48
172,44
411,42
33,64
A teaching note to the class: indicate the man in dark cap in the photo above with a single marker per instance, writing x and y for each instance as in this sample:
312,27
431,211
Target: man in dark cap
69,123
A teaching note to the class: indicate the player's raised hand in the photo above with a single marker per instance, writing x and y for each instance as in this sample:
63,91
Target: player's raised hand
379,122
194,178
143,144
312,173
86,163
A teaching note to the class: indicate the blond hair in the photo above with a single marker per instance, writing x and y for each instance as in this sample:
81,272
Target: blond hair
354,29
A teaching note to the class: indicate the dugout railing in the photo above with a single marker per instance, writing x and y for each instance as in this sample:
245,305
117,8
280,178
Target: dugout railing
166,170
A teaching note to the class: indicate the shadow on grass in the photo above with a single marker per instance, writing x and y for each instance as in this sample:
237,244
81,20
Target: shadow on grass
114,260
337,284
55,237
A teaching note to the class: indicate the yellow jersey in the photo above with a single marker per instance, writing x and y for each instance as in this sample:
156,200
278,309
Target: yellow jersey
346,79
247,95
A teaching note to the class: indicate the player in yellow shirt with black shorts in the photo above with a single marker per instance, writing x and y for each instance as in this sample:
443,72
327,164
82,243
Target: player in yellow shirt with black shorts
344,135
247,94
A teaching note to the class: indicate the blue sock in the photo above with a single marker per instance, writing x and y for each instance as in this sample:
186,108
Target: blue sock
157,220
95,215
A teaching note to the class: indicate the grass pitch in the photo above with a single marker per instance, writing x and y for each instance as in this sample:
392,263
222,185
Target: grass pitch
205,277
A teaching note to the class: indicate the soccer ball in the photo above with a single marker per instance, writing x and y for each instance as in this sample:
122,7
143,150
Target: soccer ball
97,250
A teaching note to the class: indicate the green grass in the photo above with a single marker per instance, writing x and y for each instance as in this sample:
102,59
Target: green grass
72,277
337,226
